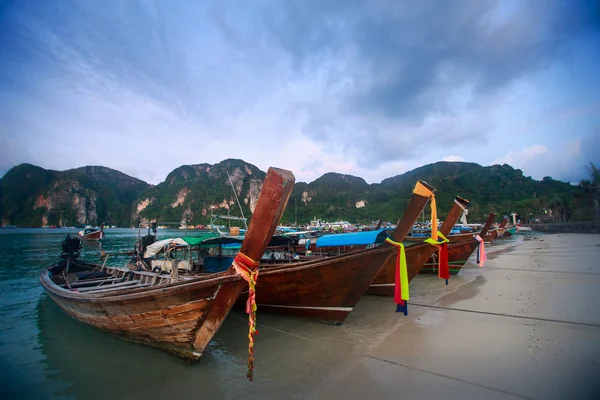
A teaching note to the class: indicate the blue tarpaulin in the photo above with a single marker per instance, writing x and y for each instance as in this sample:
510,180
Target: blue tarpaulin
353,239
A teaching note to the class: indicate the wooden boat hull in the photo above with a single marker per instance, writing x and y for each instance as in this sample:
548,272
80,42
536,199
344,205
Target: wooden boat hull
458,254
177,314
326,289
174,317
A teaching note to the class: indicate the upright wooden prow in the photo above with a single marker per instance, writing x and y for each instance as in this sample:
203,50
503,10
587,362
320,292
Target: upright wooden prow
273,198
274,195
379,224
418,200
487,225
458,207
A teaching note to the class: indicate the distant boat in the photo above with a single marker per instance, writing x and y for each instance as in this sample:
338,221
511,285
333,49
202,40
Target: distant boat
90,233
523,229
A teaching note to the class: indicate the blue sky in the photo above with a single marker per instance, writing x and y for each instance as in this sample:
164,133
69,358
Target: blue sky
370,88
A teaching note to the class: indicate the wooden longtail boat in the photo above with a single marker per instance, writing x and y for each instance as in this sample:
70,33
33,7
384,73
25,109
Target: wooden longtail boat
175,313
91,233
459,250
416,255
328,288
493,233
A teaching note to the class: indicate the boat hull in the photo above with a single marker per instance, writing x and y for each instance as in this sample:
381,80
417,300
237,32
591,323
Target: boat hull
180,318
326,289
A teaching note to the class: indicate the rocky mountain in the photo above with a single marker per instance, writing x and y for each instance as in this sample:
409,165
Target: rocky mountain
191,192
498,188
34,196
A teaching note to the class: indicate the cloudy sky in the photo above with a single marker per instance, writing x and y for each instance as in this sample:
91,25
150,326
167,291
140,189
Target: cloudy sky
371,88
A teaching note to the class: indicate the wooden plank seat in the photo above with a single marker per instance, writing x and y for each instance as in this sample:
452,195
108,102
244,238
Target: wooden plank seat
91,282
104,289
112,285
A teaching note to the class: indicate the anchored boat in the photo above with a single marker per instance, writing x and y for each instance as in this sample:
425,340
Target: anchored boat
328,288
416,254
176,313
89,233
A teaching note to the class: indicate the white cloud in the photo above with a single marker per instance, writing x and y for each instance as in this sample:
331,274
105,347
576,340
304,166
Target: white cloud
351,88
522,157
453,158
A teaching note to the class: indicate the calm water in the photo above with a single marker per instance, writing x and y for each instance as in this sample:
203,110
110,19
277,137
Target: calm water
44,353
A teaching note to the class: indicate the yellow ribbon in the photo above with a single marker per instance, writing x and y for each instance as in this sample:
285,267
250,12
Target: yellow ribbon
421,190
401,265
436,242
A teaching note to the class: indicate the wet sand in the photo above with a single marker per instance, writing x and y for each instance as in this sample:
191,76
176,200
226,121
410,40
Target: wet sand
527,325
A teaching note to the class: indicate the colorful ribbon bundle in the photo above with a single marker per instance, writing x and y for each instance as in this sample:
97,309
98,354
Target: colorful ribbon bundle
442,245
421,190
401,294
481,257
247,268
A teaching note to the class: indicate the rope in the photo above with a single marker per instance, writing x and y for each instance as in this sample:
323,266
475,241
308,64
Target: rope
401,293
247,268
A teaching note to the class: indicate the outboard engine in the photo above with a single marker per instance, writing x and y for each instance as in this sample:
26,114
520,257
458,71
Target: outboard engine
71,247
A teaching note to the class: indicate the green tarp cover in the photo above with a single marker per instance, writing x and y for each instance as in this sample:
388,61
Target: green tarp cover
196,240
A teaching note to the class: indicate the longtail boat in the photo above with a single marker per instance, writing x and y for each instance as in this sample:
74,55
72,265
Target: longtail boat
179,314
328,288
493,233
416,255
459,250
90,233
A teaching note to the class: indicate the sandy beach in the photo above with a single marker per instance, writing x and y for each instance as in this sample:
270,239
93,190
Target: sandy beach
526,325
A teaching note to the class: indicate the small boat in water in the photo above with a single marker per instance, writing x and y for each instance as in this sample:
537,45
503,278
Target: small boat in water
89,233
523,229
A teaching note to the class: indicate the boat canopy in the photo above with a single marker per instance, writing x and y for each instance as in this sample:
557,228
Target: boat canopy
196,240
353,239
233,242
157,246
208,240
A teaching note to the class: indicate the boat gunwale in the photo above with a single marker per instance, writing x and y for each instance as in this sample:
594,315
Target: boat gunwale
139,293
